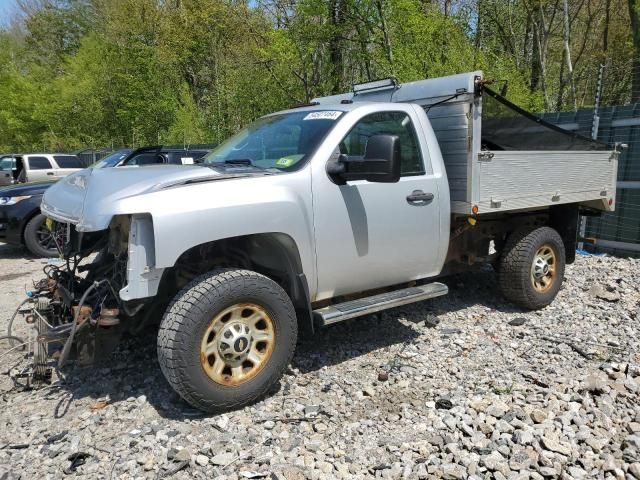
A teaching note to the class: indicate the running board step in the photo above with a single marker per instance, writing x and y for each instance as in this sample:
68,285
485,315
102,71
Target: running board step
376,303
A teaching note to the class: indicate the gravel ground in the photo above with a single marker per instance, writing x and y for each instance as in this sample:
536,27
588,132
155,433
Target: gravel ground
466,386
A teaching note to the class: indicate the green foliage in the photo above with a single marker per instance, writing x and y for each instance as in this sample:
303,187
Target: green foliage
90,73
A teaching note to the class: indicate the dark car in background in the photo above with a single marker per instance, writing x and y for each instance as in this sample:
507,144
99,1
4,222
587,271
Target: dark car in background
21,222
113,159
158,155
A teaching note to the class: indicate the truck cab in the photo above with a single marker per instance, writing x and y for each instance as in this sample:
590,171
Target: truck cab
353,219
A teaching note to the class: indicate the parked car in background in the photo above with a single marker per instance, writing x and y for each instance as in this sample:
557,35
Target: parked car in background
112,159
158,155
34,167
21,222
152,155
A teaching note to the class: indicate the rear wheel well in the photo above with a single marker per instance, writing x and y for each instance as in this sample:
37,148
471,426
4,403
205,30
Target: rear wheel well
564,220
470,241
274,255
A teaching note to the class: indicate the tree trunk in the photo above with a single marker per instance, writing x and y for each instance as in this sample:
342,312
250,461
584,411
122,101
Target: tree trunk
478,35
560,99
605,35
634,14
365,61
536,60
447,7
337,14
539,51
385,34
567,55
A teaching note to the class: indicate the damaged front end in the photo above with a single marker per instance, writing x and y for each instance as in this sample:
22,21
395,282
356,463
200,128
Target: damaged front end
77,310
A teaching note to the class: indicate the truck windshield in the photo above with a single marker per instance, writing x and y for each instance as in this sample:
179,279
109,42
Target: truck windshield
280,142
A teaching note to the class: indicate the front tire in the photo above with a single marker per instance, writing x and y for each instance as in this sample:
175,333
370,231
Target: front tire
226,339
531,267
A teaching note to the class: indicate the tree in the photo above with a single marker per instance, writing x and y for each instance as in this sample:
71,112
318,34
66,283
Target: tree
82,73
634,15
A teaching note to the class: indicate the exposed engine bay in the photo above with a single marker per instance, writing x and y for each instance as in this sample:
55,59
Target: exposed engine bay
75,309
78,311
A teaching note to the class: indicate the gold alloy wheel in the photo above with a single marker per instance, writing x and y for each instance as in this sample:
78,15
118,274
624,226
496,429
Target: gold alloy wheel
543,269
237,344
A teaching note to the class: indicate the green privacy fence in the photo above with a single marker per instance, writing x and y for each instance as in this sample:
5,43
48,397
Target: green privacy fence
618,232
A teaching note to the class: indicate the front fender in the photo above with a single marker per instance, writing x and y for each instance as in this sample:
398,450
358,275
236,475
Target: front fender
186,216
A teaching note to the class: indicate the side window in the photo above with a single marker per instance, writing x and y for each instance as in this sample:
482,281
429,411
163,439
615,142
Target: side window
151,158
39,163
68,161
387,123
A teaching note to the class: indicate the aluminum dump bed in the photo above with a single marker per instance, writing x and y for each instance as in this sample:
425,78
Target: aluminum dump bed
504,159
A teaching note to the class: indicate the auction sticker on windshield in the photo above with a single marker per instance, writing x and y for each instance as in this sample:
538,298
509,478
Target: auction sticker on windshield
325,115
288,160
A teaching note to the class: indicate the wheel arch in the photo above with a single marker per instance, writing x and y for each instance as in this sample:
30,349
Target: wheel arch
274,254
25,221
564,220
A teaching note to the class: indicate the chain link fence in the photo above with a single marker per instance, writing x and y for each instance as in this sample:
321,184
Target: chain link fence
617,232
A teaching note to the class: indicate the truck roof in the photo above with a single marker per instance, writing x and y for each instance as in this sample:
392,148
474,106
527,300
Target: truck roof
339,107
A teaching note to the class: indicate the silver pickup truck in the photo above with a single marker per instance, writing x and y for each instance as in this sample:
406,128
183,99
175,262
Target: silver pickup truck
311,216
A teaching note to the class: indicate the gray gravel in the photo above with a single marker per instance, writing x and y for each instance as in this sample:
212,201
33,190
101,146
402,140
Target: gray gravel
442,389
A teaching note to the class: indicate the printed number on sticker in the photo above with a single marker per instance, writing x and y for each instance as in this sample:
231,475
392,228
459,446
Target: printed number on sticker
326,115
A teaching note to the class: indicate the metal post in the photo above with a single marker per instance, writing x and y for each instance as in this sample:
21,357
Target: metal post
596,104
595,125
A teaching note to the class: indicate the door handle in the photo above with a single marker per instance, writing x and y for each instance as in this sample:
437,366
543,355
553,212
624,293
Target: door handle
50,173
419,198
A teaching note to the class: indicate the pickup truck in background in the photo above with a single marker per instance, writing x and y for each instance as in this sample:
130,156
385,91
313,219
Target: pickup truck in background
350,205
37,167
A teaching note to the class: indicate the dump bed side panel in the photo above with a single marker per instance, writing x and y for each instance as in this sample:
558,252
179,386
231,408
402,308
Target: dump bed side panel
514,180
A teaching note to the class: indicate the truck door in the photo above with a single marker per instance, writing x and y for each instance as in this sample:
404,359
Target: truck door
38,168
370,235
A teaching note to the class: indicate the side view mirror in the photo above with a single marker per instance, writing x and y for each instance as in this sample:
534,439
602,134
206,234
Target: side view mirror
381,162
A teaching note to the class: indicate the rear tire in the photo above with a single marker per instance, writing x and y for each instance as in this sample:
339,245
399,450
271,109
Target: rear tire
226,339
38,240
531,267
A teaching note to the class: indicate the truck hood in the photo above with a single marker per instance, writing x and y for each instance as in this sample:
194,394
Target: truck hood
67,200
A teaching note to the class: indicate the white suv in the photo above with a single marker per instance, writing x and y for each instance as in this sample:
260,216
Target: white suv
38,167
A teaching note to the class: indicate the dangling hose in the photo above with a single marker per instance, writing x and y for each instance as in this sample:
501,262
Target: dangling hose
9,335
74,327
24,344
